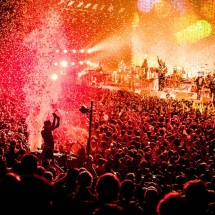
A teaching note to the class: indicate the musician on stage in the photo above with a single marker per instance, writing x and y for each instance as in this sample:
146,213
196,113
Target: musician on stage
212,87
200,81
121,71
99,73
144,70
131,77
162,70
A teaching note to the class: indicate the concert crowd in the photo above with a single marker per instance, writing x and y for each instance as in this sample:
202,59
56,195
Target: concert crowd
147,155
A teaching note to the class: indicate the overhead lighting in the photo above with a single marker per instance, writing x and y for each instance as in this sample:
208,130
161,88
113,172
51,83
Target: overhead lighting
110,9
71,3
64,63
102,7
80,4
121,9
61,2
95,6
54,76
88,5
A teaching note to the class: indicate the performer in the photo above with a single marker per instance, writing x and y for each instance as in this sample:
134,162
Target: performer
144,70
99,74
121,71
48,139
162,70
131,77
199,84
212,88
176,79
154,78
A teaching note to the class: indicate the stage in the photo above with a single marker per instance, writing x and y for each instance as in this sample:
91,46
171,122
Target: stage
185,91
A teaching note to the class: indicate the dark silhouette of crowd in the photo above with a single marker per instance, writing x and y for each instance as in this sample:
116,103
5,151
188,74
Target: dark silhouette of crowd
148,156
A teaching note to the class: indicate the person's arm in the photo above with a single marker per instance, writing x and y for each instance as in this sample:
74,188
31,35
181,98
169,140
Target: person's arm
159,61
56,121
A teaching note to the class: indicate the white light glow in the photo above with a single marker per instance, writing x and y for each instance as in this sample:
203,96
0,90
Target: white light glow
54,77
88,5
64,63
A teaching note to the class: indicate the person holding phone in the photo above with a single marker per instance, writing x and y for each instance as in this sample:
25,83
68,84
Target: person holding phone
48,139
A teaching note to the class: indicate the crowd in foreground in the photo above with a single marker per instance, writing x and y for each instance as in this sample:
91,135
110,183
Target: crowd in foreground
148,156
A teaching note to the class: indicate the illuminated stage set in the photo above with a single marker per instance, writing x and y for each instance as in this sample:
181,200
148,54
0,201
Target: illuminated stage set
116,44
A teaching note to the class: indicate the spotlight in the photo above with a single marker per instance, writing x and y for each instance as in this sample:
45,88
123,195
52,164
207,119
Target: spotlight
64,63
84,109
54,77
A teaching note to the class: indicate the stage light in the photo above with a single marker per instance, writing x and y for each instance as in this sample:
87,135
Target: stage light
54,77
64,63
111,8
80,4
65,51
122,9
55,63
61,2
74,51
88,5
81,62
194,32
89,51
71,3
57,51
80,74
145,5
73,63
82,50
88,62
102,7
95,6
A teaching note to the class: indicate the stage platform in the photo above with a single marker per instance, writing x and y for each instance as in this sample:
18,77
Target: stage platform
185,91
